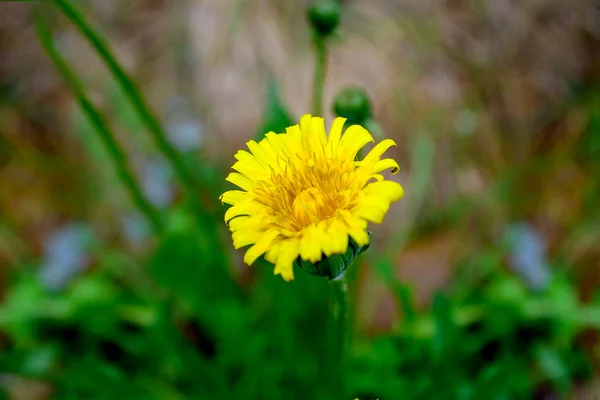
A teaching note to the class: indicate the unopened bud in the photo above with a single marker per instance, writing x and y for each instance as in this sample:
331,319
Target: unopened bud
324,16
353,104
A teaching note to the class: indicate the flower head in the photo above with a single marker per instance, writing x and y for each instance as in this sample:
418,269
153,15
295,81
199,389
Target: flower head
304,194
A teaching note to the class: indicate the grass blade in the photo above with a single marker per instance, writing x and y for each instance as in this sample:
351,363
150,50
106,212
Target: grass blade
203,210
99,123
133,93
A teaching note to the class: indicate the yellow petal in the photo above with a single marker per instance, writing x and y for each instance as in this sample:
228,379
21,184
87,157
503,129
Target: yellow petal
244,238
254,222
246,157
288,253
378,151
310,247
240,222
384,164
294,133
239,180
261,155
272,254
338,234
318,135
276,141
354,139
244,207
287,274
267,148
360,236
369,213
335,133
389,190
306,125
252,173
261,246
352,221
377,177
233,196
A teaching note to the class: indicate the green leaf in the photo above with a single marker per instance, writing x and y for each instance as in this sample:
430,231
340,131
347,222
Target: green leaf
405,297
185,264
40,360
443,339
553,367
277,116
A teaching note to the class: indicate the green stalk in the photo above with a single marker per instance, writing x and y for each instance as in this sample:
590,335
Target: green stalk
99,123
132,91
319,78
339,301
340,311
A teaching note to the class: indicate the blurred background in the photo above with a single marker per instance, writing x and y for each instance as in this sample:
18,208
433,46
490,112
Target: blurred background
118,124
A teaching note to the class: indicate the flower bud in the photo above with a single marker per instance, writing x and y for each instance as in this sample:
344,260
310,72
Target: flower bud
324,16
353,104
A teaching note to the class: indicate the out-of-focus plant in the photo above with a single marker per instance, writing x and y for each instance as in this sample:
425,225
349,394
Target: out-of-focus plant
113,148
107,335
193,187
501,342
182,327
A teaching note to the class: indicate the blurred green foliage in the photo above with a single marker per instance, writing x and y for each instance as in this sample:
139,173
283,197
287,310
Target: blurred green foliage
191,332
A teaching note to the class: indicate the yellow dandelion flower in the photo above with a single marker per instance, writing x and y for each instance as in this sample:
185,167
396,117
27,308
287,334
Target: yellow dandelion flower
304,194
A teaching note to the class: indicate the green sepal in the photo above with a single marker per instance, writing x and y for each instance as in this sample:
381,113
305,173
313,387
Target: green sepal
334,265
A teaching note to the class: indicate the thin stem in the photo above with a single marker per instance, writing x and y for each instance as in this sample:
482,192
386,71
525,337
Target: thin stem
340,310
319,78
102,128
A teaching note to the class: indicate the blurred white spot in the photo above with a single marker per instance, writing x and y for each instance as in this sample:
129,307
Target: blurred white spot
186,135
157,183
527,255
66,254
135,228
185,132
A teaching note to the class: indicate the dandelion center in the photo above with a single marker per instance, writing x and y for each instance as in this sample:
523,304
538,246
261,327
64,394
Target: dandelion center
308,192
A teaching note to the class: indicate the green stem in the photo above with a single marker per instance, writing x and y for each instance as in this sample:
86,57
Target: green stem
98,121
340,310
319,78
